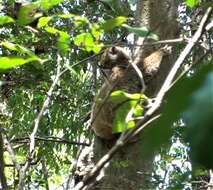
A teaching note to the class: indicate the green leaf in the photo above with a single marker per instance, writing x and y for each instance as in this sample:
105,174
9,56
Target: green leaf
112,23
121,96
192,3
63,42
17,48
5,20
12,62
175,104
43,21
80,21
118,96
199,120
138,110
85,41
9,46
51,30
63,38
47,4
130,107
28,13
96,31
67,15
141,31
123,118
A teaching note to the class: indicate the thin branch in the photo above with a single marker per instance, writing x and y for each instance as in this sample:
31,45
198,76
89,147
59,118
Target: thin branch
22,164
36,125
11,153
51,139
139,73
165,87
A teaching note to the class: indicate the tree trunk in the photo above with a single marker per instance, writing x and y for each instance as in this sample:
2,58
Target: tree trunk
129,169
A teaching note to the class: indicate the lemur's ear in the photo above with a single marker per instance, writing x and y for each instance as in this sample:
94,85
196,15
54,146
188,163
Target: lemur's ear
113,50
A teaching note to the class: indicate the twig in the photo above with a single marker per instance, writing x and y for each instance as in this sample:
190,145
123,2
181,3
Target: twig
51,139
139,73
22,164
36,125
165,87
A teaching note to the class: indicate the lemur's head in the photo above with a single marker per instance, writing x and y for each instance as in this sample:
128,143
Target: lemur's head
114,56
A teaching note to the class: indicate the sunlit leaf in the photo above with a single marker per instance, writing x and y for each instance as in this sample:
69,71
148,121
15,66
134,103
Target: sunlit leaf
130,107
124,116
63,42
52,30
96,31
138,110
12,62
141,31
5,20
192,3
109,25
80,21
63,38
9,46
85,40
97,48
47,4
17,48
66,15
43,21
120,96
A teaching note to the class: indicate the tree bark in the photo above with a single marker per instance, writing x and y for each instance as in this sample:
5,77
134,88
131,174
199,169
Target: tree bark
160,18
129,169
2,174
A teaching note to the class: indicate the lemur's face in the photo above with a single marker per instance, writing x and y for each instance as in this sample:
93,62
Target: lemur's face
114,56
